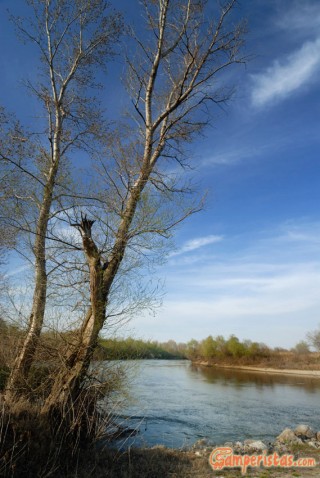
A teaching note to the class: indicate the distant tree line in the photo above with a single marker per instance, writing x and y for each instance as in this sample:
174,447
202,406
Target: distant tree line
212,349
208,348
221,348
129,348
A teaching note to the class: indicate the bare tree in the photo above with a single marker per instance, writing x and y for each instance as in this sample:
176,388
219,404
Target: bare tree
313,339
14,194
73,40
172,82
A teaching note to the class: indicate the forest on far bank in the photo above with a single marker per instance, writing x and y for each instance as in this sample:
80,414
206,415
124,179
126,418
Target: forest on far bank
214,350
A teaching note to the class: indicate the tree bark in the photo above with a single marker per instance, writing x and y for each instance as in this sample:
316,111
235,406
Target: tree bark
165,119
74,41
19,373
67,386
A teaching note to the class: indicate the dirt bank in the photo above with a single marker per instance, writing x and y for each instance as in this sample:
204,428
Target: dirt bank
261,369
160,462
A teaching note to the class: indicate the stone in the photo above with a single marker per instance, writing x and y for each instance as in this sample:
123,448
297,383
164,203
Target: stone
314,444
238,444
288,436
203,442
238,447
249,441
280,448
228,443
304,431
257,445
318,436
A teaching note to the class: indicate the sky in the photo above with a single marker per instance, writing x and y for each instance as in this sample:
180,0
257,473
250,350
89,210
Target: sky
249,263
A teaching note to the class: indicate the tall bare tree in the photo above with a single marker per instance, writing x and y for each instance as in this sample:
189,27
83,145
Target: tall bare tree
74,39
174,78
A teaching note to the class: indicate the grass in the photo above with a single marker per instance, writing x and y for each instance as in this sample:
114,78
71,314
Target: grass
277,360
161,462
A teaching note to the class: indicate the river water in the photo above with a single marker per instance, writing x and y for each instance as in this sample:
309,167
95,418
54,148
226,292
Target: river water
175,403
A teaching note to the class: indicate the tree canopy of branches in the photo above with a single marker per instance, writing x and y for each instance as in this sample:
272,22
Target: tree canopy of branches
175,79
73,40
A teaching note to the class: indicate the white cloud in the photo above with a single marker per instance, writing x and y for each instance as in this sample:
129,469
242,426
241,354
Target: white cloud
196,243
228,157
17,270
239,152
270,303
279,296
284,78
297,236
265,290
302,17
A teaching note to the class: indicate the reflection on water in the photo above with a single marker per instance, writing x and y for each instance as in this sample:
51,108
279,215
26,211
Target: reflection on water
239,378
176,403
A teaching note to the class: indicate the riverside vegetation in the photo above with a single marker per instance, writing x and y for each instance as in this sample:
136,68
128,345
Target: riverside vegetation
210,351
214,351
153,462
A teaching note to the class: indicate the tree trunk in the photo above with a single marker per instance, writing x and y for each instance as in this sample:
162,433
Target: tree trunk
68,385
169,119
16,384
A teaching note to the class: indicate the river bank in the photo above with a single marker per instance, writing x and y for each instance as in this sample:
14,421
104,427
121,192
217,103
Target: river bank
262,369
162,462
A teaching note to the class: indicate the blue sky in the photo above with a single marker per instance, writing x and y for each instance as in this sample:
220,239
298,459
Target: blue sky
249,264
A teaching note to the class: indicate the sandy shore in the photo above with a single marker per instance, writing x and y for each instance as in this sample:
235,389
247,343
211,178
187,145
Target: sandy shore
283,371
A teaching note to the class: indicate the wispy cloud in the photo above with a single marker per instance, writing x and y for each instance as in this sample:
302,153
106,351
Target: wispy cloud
196,243
303,18
285,77
265,288
267,303
244,152
17,270
229,157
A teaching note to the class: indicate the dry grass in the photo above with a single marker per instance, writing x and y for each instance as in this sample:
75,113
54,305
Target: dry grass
152,463
277,360
34,444
290,360
160,462
29,448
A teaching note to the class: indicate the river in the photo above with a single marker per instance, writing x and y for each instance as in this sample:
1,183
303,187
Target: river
175,403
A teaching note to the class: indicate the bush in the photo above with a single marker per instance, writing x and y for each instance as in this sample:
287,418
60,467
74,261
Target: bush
4,374
301,348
